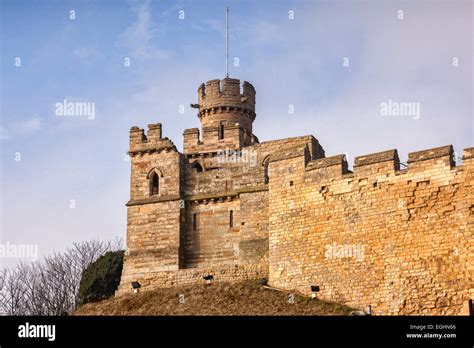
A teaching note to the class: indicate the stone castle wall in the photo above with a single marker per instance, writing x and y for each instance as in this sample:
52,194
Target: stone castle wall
399,240
187,225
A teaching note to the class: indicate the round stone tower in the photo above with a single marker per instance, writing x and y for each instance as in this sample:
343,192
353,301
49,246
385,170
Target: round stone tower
224,104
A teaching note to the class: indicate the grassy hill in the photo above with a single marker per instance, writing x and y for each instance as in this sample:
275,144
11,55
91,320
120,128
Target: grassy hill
248,298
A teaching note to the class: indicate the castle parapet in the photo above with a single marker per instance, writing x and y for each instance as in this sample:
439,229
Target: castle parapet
191,140
379,162
228,137
468,156
154,132
210,134
137,136
376,164
330,166
439,156
217,93
223,104
153,141
297,151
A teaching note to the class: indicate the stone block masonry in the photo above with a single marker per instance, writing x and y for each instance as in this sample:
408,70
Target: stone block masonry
399,240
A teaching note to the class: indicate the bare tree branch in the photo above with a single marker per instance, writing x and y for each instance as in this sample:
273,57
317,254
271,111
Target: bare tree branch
50,287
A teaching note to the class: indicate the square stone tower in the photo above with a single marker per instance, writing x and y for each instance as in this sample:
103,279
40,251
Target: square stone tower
204,210
153,214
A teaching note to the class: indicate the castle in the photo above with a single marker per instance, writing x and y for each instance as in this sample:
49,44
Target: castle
399,240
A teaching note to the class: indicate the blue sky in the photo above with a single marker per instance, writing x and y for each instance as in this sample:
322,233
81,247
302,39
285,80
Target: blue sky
289,61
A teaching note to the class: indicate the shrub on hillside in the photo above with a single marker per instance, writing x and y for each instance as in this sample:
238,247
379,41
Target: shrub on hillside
101,278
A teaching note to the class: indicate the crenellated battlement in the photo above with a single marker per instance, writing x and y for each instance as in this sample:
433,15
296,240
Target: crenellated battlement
468,155
376,164
229,205
226,93
150,142
224,103
378,157
212,140
421,160
405,229
336,163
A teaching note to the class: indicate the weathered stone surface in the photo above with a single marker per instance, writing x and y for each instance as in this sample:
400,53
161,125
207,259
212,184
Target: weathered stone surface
400,241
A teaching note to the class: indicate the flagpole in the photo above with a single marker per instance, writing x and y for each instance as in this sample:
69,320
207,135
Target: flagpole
227,41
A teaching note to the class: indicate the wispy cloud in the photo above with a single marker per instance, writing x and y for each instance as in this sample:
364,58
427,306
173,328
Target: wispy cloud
406,60
25,127
138,38
296,62
19,128
3,133
85,52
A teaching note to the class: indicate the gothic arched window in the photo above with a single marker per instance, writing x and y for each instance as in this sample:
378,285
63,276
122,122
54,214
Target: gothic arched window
197,167
154,184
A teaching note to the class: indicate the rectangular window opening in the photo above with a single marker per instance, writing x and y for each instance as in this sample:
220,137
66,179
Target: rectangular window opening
221,131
